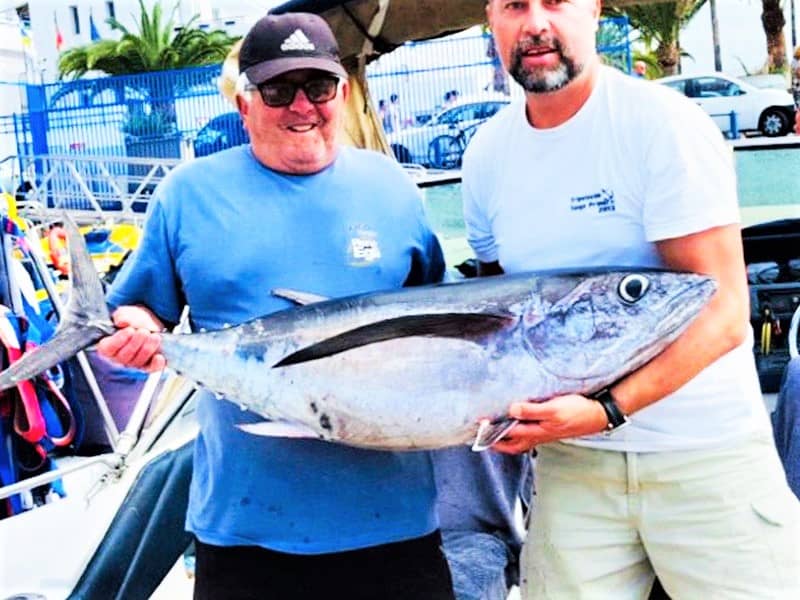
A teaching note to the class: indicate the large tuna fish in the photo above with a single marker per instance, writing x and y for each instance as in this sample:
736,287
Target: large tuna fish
415,368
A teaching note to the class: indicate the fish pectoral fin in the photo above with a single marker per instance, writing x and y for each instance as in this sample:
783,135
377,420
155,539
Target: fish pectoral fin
465,326
300,298
285,429
492,431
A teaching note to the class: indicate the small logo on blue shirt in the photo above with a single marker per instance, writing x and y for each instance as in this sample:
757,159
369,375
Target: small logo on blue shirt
363,248
602,201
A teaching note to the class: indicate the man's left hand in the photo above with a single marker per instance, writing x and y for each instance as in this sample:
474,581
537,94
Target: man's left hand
555,419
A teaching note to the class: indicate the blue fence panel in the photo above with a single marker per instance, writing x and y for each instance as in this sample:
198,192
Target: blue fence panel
148,115
433,94
613,42
118,115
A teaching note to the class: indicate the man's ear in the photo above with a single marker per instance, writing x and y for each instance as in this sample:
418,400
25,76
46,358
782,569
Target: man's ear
242,105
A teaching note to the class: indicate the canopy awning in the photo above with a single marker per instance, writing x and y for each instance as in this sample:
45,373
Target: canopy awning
370,28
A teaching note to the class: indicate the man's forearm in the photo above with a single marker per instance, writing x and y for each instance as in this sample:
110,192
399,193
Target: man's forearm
716,331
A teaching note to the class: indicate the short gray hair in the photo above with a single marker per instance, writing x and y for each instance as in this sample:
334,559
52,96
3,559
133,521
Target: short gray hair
244,87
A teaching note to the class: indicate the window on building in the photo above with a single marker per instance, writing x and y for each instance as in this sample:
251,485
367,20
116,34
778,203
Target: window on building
76,21
110,9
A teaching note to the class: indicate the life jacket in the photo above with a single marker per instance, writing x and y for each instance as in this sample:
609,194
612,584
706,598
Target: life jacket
37,417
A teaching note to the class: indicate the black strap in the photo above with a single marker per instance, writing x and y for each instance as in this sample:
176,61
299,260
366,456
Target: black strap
615,416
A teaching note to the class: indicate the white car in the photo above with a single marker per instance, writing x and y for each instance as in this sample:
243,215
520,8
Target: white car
768,110
440,141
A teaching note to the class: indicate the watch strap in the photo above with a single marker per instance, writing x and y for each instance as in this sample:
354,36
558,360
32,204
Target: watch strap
616,418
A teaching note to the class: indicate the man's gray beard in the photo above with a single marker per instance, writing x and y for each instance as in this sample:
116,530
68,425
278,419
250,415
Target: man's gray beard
540,80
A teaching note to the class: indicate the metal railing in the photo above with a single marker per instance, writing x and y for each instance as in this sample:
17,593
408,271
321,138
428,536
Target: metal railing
732,132
92,188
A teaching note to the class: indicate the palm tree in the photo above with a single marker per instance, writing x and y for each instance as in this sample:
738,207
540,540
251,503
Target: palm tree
773,21
155,46
660,25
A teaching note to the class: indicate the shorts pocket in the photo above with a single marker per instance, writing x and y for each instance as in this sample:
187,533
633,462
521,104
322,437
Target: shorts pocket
776,510
780,532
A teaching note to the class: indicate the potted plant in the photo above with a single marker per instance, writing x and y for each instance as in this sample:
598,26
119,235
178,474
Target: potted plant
153,135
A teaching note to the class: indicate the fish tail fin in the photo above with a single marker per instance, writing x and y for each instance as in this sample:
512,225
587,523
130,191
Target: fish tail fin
492,431
84,320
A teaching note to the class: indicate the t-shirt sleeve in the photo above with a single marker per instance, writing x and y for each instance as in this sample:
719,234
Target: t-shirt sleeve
476,218
148,276
689,179
427,259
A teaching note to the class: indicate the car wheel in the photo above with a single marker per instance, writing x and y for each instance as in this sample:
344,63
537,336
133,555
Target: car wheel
401,153
774,122
444,152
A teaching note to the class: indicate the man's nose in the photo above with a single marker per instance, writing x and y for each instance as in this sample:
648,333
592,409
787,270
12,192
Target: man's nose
301,101
536,18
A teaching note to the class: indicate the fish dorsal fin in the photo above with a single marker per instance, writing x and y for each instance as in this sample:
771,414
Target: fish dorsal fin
466,326
301,298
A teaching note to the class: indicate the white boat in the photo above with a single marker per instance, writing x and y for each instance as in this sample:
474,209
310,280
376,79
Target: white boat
118,532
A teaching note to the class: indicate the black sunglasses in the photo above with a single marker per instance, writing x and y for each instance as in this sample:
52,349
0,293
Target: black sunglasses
281,93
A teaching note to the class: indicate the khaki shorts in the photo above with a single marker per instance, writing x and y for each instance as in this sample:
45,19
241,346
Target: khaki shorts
715,523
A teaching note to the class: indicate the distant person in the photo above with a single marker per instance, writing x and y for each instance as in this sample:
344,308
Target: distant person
383,115
795,67
450,98
640,69
392,122
796,88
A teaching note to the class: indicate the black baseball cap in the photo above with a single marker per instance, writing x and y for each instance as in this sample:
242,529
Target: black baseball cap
280,43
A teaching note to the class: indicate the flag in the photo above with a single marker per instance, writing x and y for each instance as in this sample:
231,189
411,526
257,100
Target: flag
28,49
59,37
94,35
27,42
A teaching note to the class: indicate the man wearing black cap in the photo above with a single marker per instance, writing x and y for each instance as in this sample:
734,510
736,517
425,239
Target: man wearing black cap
282,517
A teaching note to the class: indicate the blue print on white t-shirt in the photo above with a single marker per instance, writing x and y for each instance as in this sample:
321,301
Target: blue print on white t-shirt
603,201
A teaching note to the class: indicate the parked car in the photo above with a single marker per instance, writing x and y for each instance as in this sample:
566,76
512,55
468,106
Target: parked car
413,145
221,132
767,110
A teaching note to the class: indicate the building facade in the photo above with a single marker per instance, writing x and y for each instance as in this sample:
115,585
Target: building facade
57,25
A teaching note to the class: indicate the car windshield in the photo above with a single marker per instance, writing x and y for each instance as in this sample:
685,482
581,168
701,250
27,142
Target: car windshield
468,112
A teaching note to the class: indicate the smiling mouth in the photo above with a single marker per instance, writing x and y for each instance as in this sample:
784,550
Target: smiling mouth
304,128
538,51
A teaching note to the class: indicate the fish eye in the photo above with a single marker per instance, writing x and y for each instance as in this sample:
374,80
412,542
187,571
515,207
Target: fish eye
633,287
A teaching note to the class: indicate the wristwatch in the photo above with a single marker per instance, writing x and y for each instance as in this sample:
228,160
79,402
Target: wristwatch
616,418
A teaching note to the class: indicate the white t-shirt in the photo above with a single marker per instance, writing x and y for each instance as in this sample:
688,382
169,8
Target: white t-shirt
638,163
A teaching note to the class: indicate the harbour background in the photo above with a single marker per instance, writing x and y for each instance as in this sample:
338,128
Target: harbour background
768,185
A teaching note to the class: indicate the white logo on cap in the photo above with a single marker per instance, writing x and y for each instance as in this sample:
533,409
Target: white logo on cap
297,41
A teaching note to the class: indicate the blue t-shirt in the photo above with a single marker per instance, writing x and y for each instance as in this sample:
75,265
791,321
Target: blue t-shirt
224,230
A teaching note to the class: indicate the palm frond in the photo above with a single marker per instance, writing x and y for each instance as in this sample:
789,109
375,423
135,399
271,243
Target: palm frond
155,46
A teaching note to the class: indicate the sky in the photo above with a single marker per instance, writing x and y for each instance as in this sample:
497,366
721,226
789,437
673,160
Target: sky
741,37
